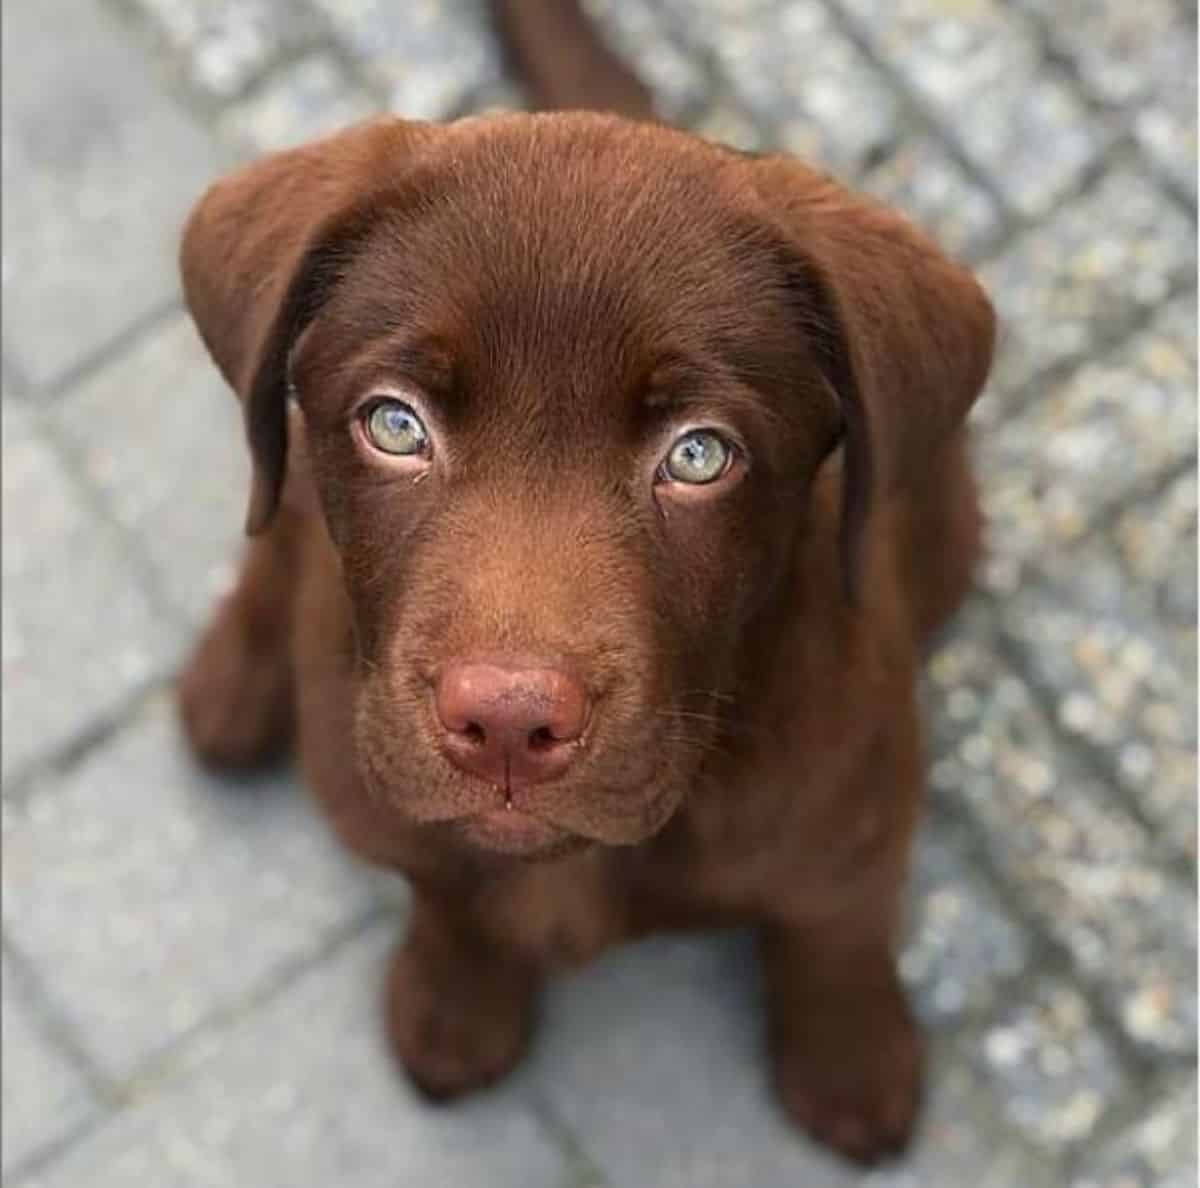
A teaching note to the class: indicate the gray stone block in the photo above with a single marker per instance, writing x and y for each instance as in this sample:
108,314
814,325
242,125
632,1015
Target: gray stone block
429,56
726,121
1167,134
81,633
1125,53
1117,684
794,70
1052,470
1157,1152
1153,544
1051,1068
962,950
302,1093
654,1058
981,70
641,32
45,1097
962,1138
159,433
306,99
1064,289
227,43
156,898
1067,844
921,179
99,172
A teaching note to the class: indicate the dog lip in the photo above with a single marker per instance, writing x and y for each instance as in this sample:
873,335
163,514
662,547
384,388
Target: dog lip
512,830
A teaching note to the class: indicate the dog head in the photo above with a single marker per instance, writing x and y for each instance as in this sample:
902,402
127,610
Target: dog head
566,382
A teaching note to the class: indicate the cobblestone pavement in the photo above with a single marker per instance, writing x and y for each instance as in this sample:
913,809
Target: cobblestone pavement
190,969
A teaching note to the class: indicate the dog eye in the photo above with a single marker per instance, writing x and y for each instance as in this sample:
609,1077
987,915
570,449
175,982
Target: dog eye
699,456
394,428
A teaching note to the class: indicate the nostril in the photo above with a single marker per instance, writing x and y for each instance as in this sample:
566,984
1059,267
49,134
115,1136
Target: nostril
474,733
542,739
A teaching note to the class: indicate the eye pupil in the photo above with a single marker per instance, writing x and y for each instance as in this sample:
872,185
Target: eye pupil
698,457
395,428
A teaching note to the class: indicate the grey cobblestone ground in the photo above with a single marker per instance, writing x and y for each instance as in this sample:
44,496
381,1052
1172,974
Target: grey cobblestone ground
1051,943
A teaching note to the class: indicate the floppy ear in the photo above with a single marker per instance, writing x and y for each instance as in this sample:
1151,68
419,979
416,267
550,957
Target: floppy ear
260,253
903,335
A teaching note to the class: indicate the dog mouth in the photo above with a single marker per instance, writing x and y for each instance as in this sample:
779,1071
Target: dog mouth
515,833
524,819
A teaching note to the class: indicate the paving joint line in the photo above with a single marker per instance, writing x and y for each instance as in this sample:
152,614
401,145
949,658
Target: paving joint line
1117,335
58,1024
16,382
917,103
1124,113
1130,1112
161,1067
97,500
1091,758
128,338
46,1156
1109,512
62,761
583,1171
1049,958
131,1091
1049,955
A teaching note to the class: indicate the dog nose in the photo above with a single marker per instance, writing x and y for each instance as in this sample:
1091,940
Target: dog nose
510,724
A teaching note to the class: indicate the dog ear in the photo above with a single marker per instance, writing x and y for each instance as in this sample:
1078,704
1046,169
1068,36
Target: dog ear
903,335
261,251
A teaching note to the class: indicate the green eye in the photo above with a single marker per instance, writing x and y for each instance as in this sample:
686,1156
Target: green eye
699,456
394,428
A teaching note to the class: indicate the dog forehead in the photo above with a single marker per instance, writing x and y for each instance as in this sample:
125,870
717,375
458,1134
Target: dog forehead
565,262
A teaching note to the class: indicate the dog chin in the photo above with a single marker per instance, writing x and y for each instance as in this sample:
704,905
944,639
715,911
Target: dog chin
512,833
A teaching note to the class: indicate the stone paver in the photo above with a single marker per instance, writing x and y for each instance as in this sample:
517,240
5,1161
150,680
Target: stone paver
307,99
1085,865
1125,53
1065,288
641,32
924,181
962,950
99,169
1117,684
303,1093
1157,1152
159,899
428,57
621,1038
1167,133
829,106
979,67
1054,1073
964,1138
1090,443
45,1096
193,991
80,637
225,44
181,492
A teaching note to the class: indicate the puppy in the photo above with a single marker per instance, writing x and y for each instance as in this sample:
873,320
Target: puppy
606,485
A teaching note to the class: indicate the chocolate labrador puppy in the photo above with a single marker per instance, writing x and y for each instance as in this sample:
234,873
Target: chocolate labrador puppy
606,485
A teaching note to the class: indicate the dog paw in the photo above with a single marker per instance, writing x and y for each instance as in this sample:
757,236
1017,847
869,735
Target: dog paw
456,1030
854,1083
235,695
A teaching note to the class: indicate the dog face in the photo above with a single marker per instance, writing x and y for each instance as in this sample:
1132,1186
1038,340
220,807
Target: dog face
565,385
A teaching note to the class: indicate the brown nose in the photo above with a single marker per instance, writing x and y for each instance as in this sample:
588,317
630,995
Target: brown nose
510,724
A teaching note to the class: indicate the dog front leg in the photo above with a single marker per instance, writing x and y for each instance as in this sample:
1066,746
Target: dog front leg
845,1051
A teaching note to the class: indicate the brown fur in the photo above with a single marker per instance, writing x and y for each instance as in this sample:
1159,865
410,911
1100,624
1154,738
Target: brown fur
565,292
